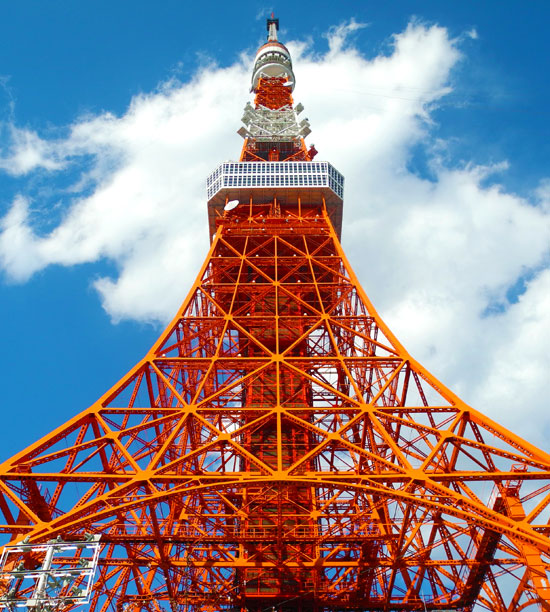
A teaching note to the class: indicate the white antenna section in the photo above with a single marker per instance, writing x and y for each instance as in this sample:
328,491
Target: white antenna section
231,205
242,131
272,27
280,125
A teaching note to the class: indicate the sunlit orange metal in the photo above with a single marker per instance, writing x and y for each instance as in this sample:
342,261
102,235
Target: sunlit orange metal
278,448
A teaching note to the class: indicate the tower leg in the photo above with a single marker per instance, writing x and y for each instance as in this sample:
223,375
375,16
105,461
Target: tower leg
536,574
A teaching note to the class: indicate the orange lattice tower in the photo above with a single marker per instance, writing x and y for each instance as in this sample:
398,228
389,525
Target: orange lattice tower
277,448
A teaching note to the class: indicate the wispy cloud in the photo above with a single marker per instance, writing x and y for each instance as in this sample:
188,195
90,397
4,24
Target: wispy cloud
433,254
338,36
263,12
27,152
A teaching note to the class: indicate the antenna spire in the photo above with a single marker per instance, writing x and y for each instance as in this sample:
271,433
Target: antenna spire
272,27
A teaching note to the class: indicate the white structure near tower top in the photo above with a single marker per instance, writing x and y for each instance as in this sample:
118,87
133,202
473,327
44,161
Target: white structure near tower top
272,27
273,59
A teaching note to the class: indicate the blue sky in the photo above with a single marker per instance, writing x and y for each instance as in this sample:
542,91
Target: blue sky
467,167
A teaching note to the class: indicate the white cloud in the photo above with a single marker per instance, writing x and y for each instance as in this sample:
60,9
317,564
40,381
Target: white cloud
17,252
29,152
338,36
517,369
147,209
438,257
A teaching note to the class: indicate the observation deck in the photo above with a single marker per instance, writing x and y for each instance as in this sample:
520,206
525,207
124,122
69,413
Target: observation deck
273,60
311,182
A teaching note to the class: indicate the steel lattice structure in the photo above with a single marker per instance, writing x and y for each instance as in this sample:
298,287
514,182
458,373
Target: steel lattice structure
278,448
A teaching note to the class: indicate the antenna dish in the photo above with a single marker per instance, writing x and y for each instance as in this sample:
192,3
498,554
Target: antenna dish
231,205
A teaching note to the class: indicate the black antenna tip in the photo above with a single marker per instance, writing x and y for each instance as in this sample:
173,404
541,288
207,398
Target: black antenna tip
271,20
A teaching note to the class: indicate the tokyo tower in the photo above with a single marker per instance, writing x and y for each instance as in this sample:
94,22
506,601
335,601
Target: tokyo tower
277,448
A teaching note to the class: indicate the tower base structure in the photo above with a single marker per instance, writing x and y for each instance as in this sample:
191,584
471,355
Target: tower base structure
278,447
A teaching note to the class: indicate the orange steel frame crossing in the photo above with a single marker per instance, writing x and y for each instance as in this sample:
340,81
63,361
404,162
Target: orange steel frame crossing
278,448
